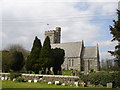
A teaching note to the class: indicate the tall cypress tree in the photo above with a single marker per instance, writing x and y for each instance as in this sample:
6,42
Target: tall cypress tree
33,63
45,56
115,31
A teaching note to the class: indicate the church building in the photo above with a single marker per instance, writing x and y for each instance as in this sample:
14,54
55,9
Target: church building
77,56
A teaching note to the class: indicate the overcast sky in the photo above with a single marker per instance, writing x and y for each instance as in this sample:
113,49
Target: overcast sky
22,20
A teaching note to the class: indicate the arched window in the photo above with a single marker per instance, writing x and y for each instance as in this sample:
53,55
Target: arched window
69,61
72,62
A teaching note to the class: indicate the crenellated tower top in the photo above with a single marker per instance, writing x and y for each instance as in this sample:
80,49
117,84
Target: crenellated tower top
54,35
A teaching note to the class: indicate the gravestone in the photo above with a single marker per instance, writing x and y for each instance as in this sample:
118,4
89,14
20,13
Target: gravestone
57,82
76,84
6,77
63,84
14,79
35,81
109,85
2,78
30,81
49,82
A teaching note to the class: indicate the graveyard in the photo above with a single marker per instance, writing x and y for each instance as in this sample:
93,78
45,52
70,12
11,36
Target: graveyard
59,60
12,84
93,80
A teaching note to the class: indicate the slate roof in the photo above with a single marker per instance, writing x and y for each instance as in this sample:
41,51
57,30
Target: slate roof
72,49
90,52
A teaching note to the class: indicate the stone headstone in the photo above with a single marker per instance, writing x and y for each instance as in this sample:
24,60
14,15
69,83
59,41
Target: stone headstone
6,78
63,84
2,78
76,84
14,79
57,82
30,81
109,85
35,81
49,82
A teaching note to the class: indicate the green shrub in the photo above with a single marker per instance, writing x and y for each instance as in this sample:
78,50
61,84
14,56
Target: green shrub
20,79
14,75
102,78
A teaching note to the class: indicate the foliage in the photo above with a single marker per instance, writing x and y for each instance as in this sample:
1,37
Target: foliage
20,79
14,75
13,58
102,78
115,31
5,61
45,57
45,53
17,61
17,47
58,59
32,62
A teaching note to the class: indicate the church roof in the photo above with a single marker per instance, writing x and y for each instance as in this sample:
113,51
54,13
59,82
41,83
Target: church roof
72,49
90,52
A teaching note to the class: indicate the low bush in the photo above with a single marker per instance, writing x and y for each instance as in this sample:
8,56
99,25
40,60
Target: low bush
102,78
20,79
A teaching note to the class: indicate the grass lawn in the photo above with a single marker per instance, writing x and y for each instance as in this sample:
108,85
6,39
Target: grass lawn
66,72
13,84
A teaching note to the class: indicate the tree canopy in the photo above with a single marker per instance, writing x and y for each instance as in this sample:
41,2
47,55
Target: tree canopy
32,62
58,59
17,61
115,31
13,58
45,56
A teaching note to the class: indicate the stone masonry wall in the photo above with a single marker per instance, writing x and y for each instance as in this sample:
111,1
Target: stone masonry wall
68,80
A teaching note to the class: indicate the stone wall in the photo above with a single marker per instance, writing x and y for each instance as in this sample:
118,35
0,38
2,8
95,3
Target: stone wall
72,63
68,80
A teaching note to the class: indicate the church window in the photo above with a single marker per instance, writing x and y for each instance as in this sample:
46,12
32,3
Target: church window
72,62
69,62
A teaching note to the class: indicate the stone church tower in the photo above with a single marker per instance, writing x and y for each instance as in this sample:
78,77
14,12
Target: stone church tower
54,35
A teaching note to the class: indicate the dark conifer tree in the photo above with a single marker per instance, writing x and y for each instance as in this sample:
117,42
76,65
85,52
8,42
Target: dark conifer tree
45,57
58,59
33,63
115,31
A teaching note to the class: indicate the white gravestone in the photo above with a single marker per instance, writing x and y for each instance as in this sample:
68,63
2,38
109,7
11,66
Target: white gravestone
63,84
14,79
57,82
2,78
6,78
76,84
49,82
30,81
35,81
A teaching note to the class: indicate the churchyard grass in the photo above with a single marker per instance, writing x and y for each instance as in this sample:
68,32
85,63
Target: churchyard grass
13,84
66,72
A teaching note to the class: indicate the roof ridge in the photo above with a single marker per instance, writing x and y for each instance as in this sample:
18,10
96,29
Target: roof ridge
70,42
